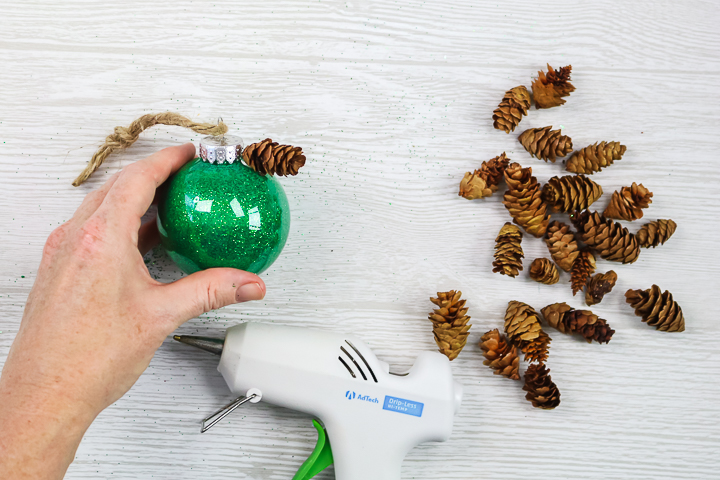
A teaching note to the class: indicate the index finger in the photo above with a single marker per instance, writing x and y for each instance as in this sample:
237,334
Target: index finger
133,192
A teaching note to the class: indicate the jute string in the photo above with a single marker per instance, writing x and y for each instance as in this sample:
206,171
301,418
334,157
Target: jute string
123,137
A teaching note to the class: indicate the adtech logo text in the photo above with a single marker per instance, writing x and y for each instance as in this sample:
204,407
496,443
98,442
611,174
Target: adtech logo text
350,395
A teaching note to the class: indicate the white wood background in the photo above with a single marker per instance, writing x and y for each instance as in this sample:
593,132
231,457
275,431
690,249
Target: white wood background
391,102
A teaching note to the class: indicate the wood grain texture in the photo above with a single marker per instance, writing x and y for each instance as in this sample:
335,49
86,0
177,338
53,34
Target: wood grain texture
391,102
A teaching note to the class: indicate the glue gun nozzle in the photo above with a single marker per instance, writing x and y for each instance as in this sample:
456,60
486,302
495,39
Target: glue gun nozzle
209,344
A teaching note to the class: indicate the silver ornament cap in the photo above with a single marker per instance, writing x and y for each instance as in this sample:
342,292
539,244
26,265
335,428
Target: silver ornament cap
221,149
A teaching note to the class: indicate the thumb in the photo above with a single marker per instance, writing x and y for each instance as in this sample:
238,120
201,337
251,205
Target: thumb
208,290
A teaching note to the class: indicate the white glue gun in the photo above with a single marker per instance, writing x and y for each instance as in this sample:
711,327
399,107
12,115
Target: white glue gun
372,417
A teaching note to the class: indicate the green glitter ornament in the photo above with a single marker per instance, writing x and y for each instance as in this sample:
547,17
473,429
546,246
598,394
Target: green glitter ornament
218,212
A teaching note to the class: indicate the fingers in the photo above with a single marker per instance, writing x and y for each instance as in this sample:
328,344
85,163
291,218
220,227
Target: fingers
133,192
148,236
208,290
94,199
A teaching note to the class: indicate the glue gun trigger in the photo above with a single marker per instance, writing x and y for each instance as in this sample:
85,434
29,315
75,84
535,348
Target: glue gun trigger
319,459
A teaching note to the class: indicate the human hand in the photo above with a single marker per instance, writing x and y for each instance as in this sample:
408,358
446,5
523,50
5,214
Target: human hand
95,318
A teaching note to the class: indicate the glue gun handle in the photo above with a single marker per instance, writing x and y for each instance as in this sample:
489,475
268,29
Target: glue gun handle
360,455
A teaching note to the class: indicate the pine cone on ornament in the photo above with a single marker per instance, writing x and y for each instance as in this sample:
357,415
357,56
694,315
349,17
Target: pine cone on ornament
545,144
598,286
656,309
549,89
537,350
562,244
500,355
544,271
542,392
484,181
568,320
522,324
513,106
570,192
611,240
450,323
582,268
655,233
595,157
508,251
523,200
627,204
267,157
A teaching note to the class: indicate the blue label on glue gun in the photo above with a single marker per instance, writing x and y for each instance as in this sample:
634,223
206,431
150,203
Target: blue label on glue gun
401,405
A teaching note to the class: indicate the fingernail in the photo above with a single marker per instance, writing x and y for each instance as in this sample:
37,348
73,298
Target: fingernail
249,291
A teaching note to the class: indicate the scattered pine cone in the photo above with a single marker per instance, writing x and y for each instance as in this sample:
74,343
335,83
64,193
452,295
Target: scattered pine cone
523,200
267,157
544,271
542,392
513,106
562,244
450,323
500,355
610,239
655,233
582,268
549,89
508,251
537,350
570,192
627,204
484,181
658,310
598,286
595,157
522,324
545,144
568,320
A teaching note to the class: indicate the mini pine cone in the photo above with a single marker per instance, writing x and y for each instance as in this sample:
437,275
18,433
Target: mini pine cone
543,270
570,192
562,244
508,251
582,268
450,323
484,181
627,204
267,157
611,240
522,324
542,392
655,233
595,157
549,89
512,108
523,200
545,143
656,309
500,355
598,286
568,320
538,350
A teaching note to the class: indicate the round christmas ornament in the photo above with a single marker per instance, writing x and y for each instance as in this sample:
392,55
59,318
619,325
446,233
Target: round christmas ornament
217,211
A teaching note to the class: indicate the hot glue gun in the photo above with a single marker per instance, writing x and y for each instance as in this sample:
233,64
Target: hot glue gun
372,418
